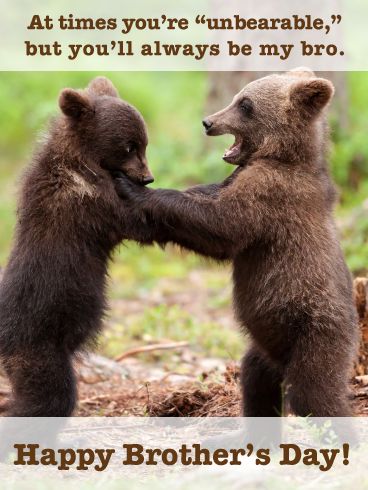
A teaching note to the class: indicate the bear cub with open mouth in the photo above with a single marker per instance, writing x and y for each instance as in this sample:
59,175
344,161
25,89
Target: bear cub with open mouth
273,220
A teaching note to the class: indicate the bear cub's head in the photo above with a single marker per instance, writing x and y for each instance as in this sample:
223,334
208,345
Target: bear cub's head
272,115
109,131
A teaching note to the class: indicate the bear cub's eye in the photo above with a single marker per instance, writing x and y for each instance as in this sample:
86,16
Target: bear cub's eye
131,147
246,106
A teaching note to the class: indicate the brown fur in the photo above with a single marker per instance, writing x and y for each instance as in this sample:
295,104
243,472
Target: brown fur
69,220
273,219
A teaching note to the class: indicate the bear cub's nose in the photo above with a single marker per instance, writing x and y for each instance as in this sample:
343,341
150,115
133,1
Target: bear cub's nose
207,124
148,180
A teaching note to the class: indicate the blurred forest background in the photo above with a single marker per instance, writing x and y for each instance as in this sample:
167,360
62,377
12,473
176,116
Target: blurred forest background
170,295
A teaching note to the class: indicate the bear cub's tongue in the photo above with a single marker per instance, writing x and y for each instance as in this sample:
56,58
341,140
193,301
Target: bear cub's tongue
232,152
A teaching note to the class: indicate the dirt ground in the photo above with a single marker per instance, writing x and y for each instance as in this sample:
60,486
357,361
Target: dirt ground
206,387
131,388
217,395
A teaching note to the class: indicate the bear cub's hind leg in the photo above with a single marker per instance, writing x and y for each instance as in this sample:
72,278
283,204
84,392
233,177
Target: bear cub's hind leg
43,383
314,384
261,386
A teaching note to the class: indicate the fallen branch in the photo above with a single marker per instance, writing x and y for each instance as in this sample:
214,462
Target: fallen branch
150,348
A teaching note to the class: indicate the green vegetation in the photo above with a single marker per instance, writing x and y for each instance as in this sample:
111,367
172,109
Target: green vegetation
173,105
172,322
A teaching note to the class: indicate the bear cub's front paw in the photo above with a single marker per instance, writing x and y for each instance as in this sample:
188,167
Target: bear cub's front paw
124,187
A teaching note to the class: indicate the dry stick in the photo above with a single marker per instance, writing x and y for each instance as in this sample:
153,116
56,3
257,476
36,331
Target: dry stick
96,398
150,348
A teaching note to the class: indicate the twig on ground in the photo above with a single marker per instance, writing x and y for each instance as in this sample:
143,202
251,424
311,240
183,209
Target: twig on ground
150,348
95,399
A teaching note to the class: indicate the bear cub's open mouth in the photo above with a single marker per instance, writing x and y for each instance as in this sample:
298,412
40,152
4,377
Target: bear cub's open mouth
232,154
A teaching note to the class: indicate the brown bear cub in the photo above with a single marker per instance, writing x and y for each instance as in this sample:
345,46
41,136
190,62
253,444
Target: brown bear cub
274,220
69,220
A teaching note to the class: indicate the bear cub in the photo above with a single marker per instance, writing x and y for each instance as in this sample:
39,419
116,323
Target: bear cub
273,219
69,220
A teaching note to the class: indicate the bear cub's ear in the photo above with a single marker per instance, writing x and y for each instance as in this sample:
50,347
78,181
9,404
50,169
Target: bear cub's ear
74,104
102,86
312,95
301,72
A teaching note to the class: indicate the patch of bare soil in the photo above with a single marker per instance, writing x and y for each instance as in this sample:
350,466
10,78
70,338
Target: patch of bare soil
218,395
109,389
209,399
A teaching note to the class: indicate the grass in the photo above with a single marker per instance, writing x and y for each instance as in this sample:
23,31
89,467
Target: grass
172,322
136,269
